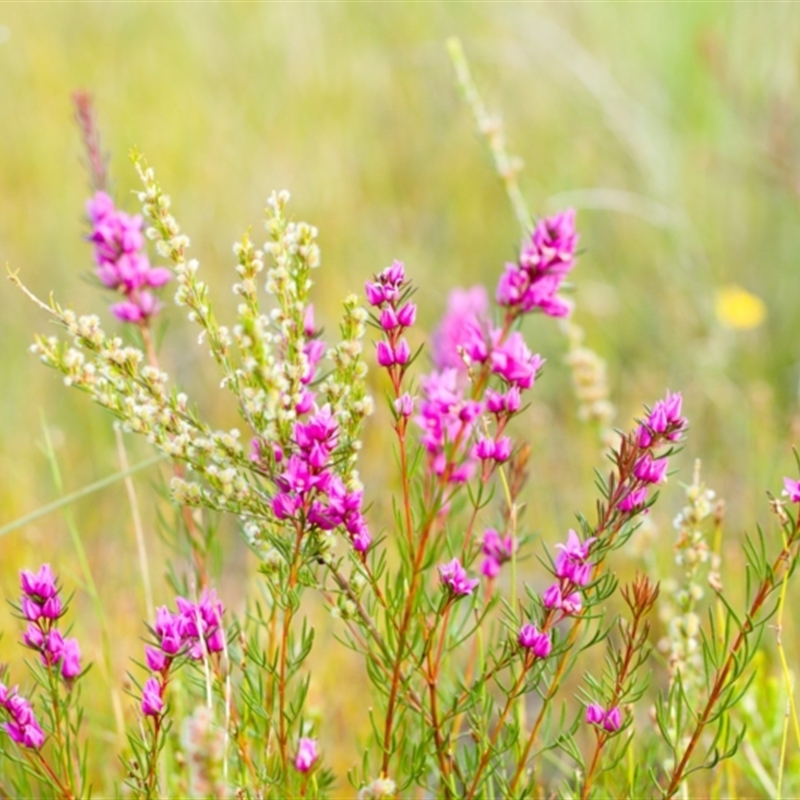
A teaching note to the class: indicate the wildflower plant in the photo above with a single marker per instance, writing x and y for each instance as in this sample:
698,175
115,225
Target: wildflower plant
472,671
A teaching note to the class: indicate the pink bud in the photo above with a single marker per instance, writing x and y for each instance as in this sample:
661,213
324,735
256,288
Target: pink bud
484,449
374,292
552,597
402,353
594,714
407,315
152,702
502,449
404,405
306,755
30,609
384,354
613,720
52,607
155,658
71,665
388,319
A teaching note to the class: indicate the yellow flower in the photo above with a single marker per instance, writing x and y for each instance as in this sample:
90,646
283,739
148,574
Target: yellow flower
737,308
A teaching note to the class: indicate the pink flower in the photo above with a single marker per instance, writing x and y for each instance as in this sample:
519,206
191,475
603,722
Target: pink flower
402,353
404,405
71,663
665,419
41,585
552,245
388,319
454,578
168,628
497,550
532,639
386,286
533,282
613,720
374,292
121,263
513,361
571,563
407,315
53,649
152,702
30,609
362,541
52,608
595,714
138,307
633,499
650,470
552,596
461,328
385,354
284,506
33,637
23,727
792,489
155,658
306,755
572,604
30,735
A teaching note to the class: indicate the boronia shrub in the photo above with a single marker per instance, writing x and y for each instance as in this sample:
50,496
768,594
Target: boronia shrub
473,677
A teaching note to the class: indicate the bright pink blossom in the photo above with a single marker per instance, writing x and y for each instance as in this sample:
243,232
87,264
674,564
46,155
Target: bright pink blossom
792,489
595,714
122,264
534,282
306,754
41,584
454,578
461,329
497,550
572,563
513,361
152,702
537,642
71,659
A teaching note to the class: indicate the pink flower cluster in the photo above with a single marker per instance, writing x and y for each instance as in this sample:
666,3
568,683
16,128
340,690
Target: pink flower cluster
194,630
573,570
533,282
611,720
537,642
461,331
447,418
23,727
464,338
121,263
496,551
388,294
455,580
42,607
663,425
309,489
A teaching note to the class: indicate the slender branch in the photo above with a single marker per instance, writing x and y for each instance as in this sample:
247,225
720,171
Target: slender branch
721,679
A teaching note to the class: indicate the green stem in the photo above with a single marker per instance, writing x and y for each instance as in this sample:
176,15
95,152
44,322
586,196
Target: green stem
81,493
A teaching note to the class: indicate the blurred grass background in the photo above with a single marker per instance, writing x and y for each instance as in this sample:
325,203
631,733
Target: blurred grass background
672,128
